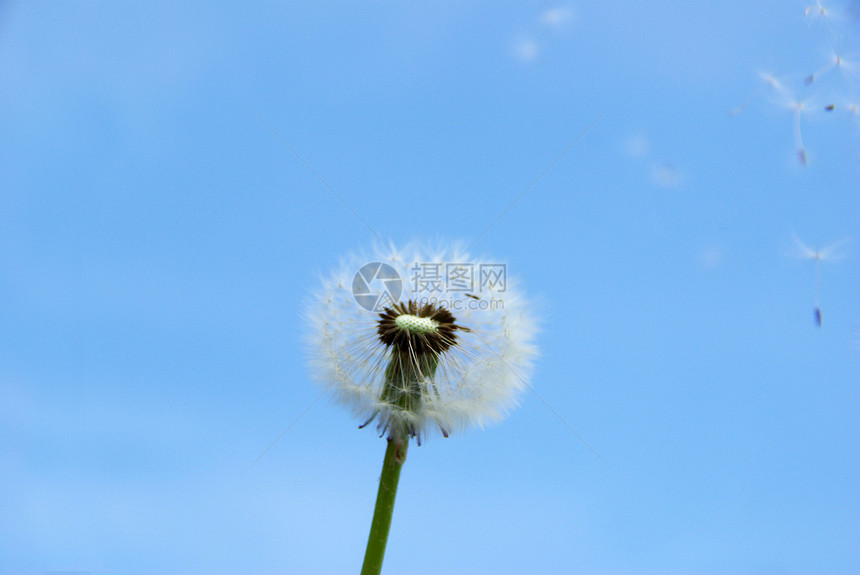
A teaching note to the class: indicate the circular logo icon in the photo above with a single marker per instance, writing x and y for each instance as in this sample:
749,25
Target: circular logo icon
376,286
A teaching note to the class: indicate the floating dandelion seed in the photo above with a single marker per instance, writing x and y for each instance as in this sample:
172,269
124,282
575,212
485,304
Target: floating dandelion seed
828,253
786,99
769,79
400,338
802,157
839,58
824,15
836,61
816,10
850,106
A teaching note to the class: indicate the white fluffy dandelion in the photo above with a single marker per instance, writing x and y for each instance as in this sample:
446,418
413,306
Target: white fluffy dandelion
421,340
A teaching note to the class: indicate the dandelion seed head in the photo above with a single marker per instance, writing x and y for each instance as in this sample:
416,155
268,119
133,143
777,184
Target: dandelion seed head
416,325
416,354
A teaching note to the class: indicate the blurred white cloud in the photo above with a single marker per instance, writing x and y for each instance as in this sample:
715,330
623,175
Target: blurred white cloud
637,146
557,18
666,175
712,257
526,50
661,173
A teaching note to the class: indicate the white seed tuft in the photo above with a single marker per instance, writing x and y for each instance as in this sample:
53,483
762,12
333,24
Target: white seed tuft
478,378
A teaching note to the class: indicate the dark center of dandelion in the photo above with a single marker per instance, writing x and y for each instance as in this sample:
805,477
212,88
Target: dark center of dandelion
418,329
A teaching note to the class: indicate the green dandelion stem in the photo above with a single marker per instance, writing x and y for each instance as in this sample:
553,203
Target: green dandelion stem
410,369
395,456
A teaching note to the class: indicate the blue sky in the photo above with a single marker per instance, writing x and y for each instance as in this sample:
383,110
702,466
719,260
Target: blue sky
159,239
